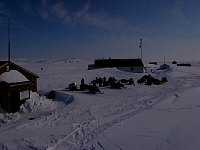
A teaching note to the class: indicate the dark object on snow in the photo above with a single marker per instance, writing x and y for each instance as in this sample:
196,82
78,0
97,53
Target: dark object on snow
174,62
116,85
72,87
31,118
82,81
98,81
187,65
111,80
93,89
131,81
126,81
140,81
153,63
51,95
83,86
164,79
105,83
94,82
149,80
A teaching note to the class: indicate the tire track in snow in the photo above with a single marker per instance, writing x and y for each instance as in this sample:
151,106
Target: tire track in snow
93,133
92,129
126,116
56,146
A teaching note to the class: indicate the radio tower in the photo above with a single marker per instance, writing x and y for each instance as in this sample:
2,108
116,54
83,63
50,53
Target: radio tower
140,46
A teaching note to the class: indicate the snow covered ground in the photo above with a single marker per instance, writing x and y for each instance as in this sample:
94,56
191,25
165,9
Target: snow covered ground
157,117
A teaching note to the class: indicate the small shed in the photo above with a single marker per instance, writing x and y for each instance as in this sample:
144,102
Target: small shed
15,85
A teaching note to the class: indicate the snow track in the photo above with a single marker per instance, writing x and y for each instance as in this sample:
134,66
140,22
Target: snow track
95,127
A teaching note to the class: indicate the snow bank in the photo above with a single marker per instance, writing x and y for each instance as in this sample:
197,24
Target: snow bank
35,107
37,103
42,103
6,118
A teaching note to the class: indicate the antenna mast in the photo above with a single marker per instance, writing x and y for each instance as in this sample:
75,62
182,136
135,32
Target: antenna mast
9,38
140,46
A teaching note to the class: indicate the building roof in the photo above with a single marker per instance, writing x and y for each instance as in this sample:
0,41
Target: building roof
103,63
3,64
13,76
22,70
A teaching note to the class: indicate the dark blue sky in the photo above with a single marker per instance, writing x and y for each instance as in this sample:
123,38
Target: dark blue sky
101,28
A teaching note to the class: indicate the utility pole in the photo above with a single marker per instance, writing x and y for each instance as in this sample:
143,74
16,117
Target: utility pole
140,46
9,38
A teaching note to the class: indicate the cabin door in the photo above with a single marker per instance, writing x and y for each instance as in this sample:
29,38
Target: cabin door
15,101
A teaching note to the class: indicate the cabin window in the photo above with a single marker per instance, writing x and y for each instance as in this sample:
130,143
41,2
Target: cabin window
7,68
24,95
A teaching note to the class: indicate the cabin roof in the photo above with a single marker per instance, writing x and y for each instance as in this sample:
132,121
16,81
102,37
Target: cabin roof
13,76
7,63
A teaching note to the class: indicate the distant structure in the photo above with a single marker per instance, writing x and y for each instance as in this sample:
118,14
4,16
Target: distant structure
174,62
130,65
140,46
153,63
164,66
184,64
15,85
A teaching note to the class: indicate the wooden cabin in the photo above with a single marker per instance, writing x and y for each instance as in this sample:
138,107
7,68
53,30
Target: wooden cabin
15,85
